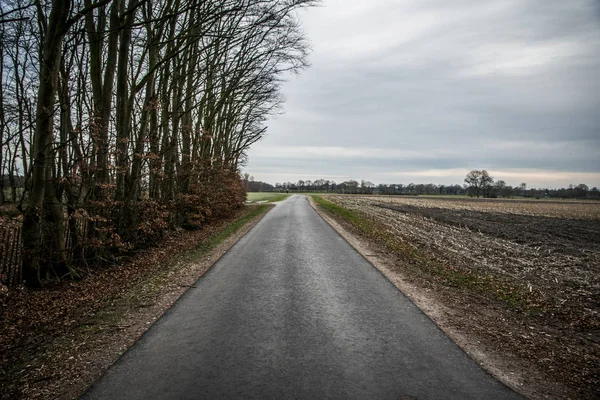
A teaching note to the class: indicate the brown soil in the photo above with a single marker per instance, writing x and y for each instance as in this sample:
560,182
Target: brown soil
571,236
56,342
519,291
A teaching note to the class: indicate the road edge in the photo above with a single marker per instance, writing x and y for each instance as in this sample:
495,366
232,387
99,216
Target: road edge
432,309
113,341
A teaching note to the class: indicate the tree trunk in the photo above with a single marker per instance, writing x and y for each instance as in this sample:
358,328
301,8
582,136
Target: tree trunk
42,141
53,233
123,101
2,122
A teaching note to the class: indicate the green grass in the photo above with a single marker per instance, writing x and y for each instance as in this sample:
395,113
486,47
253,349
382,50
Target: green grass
446,196
420,263
206,246
311,193
147,288
269,197
115,313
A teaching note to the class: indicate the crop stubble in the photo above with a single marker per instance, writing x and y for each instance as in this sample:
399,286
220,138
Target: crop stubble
547,252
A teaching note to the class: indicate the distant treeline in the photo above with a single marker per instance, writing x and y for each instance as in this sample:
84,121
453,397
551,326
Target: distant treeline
496,189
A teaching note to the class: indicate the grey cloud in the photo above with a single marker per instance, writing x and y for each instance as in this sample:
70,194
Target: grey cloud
482,158
468,77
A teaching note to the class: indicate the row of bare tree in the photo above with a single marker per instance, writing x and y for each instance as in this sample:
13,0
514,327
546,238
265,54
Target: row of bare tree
134,113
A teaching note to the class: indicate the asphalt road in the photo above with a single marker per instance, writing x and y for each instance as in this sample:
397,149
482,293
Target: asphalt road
292,311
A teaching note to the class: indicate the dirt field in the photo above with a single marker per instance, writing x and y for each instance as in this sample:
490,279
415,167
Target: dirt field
523,276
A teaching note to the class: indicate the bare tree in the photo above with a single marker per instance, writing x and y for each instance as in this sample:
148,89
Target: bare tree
487,183
479,182
134,112
473,182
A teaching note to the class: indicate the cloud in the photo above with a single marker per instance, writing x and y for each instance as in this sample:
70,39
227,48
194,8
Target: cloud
399,88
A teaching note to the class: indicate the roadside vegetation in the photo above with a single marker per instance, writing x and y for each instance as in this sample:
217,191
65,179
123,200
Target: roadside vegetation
264,197
123,128
524,275
62,338
121,121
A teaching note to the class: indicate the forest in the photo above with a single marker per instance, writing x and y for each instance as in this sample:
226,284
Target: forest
122,119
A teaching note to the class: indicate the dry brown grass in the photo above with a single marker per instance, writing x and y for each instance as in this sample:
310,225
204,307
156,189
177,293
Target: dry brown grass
545,208
538,259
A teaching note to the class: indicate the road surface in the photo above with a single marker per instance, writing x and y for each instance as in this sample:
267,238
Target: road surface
292,311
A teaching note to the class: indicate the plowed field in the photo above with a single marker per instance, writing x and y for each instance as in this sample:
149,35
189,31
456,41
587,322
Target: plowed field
539,260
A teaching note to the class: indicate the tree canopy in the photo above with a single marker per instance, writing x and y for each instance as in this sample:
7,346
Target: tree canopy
127,117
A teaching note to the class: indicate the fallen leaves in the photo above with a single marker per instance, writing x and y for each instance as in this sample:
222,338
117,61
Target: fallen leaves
32,320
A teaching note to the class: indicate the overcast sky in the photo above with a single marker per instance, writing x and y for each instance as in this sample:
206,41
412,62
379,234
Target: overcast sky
423,91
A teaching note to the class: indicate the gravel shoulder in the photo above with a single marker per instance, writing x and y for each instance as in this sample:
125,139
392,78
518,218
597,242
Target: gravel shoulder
523,349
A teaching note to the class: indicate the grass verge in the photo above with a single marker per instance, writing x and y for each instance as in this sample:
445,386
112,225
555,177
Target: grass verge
144,291
267,197
426,266
281,197
64,337
214,240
